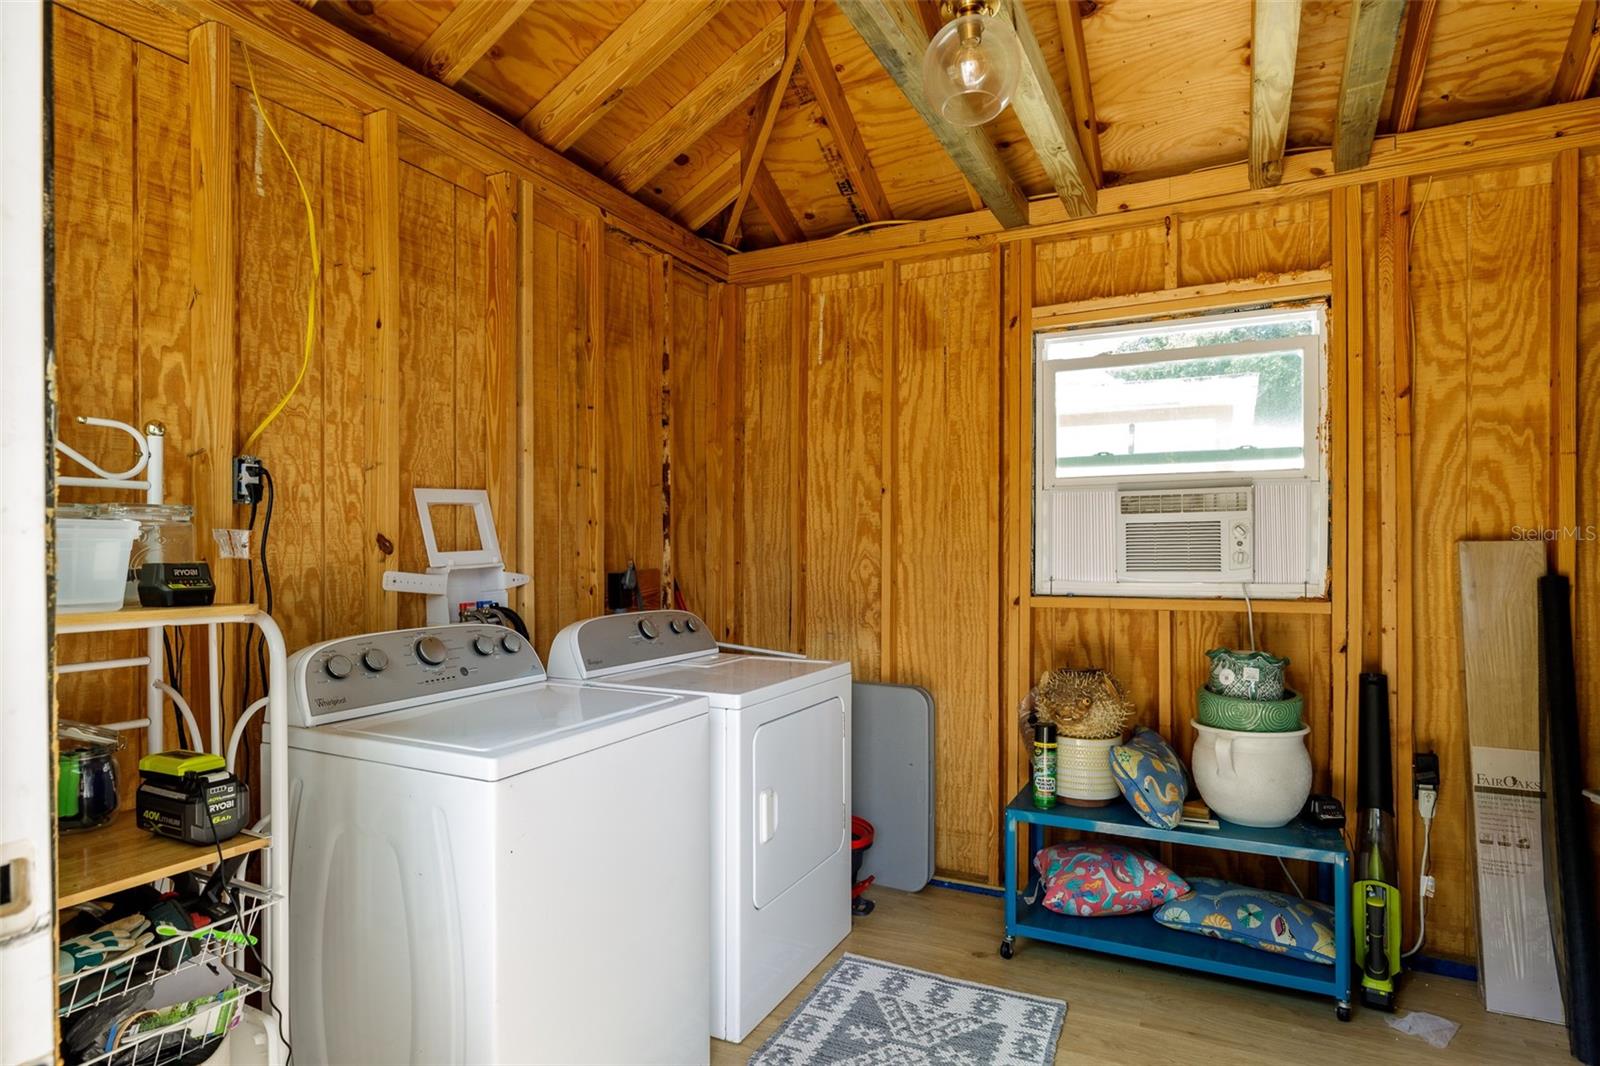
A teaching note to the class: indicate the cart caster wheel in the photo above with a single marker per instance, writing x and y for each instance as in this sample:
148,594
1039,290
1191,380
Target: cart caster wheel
1006,950
1343,1011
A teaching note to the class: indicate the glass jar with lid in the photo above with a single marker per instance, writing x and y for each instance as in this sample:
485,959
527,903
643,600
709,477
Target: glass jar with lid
166,535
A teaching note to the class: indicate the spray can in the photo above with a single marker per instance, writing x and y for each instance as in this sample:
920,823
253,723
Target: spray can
1044,766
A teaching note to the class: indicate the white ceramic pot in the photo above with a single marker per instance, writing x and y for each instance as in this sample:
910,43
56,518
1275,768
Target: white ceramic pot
1083,771
1255,779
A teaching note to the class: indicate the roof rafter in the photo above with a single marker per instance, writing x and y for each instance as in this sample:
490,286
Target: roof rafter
824,82
1069,14
1575,76
895,34
1044,118
465,36
707,104
1368,53
769,198
710,195
1273,45
645,39
769,102
1413,58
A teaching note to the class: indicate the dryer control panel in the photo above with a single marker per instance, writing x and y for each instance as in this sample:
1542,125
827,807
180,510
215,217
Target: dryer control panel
612,643
356,676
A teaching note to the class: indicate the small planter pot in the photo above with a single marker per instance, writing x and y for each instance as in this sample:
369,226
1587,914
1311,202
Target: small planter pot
1251,716
1246,675
1083,771
1254,779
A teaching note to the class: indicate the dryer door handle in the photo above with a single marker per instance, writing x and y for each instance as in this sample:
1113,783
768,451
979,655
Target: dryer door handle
766,815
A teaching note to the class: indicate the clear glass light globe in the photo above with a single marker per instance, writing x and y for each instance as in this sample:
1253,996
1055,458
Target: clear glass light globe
971,68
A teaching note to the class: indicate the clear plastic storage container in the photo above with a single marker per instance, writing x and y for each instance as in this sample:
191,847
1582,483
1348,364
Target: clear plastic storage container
92,562
166,535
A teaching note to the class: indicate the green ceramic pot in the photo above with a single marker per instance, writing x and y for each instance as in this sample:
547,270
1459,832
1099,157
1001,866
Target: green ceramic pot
1251,716
1246,675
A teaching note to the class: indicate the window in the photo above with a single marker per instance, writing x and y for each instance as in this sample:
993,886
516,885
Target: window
1183,457
1235,393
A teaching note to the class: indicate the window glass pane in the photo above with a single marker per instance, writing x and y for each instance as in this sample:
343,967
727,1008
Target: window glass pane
1227,413
1181,333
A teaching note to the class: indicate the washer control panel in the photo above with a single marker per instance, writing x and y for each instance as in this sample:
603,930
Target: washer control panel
356,676
614,642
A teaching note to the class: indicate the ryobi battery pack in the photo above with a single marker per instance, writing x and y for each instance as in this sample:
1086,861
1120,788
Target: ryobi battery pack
190,796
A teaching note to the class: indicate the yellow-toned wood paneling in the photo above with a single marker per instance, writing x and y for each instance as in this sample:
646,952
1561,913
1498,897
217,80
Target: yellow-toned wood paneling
1480,276
1274,239
1586,582
845,356
767,467
631,441
947,537
1115,263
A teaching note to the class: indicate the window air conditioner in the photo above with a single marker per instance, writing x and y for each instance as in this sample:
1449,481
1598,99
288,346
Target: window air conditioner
1170,536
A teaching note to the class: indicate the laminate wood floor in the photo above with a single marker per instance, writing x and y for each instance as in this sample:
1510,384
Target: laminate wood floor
1115,1006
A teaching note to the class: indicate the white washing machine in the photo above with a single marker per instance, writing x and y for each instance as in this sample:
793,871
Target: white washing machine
474,878
780,794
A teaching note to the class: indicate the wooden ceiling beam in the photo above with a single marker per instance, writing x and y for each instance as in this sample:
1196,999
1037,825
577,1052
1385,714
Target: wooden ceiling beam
824,82
1069,14
769,102
1413,58
1575,76
1273,46
1044,118
465,36
645,39
707,104
709,196
769,199
1368,54
895,34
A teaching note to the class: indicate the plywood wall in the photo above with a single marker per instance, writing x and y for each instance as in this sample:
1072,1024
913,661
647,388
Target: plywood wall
1445,419
473,331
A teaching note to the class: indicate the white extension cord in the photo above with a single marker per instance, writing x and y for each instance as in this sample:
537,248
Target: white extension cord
1427,801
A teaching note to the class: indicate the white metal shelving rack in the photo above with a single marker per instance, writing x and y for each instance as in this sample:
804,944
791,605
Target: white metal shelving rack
97,862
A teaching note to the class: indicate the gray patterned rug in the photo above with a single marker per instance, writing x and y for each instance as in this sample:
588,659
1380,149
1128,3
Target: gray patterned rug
868,1012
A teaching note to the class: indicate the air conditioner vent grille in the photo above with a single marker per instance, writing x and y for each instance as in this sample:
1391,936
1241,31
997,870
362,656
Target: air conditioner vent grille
1185,502
1160,547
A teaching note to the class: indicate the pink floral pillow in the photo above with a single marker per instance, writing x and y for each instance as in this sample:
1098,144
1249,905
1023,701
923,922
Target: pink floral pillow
1086,880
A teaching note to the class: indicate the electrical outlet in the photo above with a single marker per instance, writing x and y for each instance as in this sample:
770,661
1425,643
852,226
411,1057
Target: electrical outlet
246,479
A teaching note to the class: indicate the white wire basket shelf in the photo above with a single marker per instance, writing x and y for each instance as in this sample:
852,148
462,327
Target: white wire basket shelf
183,1035
167,955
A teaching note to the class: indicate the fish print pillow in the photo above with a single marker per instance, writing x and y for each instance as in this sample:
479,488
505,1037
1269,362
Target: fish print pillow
1151,777
1299,928
1086,880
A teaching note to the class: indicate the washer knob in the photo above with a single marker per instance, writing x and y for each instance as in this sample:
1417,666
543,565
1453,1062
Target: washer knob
431,650
647,629
673,625
511,643
483,645
375,659
338,667
688,623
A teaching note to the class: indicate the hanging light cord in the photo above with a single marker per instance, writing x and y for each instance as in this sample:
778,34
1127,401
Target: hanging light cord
316,265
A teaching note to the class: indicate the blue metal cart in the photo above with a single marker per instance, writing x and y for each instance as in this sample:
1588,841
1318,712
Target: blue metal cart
1139,936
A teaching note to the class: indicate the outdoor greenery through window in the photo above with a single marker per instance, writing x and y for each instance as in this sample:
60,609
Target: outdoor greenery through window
1227,393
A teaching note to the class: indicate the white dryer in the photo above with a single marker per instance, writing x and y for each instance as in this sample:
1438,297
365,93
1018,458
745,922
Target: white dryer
473,876
780,794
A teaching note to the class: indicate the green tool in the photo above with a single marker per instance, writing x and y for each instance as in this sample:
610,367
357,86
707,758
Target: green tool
207,932
1377,891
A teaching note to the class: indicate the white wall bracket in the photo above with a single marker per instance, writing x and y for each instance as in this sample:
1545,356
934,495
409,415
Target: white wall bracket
458,577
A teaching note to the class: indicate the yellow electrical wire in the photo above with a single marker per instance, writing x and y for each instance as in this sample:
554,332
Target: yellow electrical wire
316,264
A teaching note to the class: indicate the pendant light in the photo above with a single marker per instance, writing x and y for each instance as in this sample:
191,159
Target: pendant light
972,65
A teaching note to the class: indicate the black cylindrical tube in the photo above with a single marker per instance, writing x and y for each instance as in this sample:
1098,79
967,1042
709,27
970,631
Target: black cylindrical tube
1375,778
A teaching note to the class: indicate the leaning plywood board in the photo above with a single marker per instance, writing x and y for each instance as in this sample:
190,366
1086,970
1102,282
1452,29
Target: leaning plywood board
1500,647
